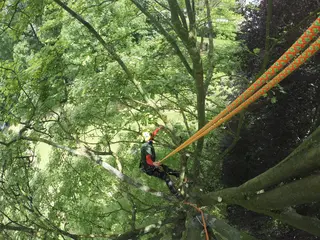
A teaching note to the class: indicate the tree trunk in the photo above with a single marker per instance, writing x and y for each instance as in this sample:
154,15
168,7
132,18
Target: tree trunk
198,75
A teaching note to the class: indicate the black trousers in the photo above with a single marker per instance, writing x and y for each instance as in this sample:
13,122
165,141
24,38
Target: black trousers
163,173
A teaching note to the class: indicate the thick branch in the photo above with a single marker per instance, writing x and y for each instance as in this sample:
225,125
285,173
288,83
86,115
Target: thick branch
298,192
190,41
191,13
222,229
308,224
182,18
16,228
227,195
174,10
304,159
294,193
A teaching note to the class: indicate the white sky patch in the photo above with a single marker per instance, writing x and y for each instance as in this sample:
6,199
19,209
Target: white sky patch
252,1
244,2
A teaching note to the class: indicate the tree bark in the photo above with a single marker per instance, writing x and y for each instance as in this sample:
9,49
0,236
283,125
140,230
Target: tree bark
308,224
298,192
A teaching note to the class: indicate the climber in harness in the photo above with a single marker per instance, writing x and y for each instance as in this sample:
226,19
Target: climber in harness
149,165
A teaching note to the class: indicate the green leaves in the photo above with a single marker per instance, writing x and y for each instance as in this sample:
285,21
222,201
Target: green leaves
67,88
273,100
256,51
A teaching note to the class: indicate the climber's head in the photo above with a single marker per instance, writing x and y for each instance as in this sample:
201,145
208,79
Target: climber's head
147,136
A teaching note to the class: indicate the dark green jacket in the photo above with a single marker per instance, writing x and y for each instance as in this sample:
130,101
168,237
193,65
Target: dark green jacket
148,155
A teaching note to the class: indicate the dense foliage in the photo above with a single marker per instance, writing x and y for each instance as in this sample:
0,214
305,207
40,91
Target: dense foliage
81,80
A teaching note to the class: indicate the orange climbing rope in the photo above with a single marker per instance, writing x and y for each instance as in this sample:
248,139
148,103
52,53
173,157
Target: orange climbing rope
202,216
246,98
294,65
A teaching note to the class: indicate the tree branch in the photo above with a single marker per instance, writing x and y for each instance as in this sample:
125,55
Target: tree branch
211,46
162,5
267,40
191,13
235,139
36,35
182,18
17,228
84,153
12,17
97,5
162,31
100,153
294,28
308,224
91,29
291,217
298,192
110,49
174,10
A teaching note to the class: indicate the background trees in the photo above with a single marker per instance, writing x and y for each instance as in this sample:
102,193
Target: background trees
296,100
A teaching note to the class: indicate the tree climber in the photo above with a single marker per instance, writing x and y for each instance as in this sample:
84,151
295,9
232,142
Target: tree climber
149,165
